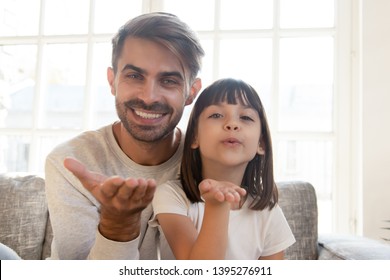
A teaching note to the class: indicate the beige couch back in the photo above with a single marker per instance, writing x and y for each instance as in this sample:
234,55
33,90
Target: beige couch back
25,224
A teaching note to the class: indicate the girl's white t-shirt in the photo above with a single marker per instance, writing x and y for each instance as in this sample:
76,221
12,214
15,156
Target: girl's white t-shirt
252,234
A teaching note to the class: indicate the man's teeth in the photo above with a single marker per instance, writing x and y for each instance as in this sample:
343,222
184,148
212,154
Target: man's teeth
148,115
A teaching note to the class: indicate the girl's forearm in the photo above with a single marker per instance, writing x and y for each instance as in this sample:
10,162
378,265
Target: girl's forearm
213,236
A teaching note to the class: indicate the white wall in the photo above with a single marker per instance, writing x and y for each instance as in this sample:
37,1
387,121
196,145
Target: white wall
376,117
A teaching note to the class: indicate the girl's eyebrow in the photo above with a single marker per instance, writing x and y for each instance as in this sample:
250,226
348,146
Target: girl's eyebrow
245,106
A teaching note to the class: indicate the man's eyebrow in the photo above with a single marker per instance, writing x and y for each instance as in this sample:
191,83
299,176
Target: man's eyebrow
162,74
133,67
172,74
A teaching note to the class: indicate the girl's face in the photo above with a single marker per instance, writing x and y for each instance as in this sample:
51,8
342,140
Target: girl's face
228,135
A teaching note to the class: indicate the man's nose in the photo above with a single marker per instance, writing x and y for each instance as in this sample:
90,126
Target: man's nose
149,92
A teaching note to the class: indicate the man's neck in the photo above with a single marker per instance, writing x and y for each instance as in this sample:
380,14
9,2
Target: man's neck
148,154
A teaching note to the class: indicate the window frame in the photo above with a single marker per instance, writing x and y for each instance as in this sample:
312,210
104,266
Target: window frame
346,103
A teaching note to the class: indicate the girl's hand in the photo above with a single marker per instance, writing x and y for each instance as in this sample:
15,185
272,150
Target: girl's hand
217,192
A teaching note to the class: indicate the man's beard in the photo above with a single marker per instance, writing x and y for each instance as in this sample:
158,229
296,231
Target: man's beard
147,133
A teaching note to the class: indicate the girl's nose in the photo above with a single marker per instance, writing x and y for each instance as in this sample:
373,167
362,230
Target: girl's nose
231,125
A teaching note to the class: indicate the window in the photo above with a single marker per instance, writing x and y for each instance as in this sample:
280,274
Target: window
54,56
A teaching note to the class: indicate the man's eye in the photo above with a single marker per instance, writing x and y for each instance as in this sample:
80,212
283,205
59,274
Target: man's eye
133,76
169,82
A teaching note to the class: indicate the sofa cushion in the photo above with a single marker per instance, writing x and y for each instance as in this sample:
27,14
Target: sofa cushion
299,204
350,247
24,214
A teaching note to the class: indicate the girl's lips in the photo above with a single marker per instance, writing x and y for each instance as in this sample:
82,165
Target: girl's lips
231,141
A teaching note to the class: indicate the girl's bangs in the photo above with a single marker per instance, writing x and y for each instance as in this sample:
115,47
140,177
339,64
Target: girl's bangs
230,95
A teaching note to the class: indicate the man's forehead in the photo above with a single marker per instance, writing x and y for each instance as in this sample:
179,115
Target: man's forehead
148,55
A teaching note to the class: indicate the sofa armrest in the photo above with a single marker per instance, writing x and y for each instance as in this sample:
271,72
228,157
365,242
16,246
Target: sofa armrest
351,247
24,214
299,204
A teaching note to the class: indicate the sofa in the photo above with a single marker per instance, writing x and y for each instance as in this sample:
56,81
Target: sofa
25,223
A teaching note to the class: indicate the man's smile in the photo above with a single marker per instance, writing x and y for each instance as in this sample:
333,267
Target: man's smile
146,115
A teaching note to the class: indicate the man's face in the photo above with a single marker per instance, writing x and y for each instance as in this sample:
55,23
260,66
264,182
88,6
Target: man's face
150,89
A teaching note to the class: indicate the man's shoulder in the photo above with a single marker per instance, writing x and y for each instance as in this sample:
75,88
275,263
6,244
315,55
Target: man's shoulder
87,142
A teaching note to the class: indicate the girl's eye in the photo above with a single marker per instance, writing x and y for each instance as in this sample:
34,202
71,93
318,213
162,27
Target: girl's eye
215,116
247,118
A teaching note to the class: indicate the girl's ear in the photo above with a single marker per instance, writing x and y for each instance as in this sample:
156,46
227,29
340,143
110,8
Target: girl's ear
195,144
261,148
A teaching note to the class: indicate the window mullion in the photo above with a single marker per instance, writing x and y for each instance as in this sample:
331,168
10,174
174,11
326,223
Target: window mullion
216,39
153,6
38,101
273,118
89,101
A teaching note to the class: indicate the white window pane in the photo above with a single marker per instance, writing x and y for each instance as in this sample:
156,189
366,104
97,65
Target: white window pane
306,84
249,60
324,215
199,15
206,75
19,17
112,14
45,144
17,85
66,17
310,161
104,102
64,86
14,153
306,13
246,14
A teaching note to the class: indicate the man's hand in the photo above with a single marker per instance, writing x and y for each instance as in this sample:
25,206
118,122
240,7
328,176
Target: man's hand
219,192
122,200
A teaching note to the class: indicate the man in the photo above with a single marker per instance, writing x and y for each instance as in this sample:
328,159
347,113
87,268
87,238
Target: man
155,62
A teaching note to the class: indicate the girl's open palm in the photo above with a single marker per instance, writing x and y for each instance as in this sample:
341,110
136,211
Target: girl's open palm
221,191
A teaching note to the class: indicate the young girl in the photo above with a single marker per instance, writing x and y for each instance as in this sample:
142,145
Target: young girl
225,204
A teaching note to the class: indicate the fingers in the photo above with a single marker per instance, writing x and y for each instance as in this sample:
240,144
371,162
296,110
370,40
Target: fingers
110,187
221,191
126,196
114,193
136,189
88,178
76,167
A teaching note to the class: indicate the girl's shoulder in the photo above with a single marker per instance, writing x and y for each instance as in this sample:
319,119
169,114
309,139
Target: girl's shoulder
171,188
173,185
170,198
